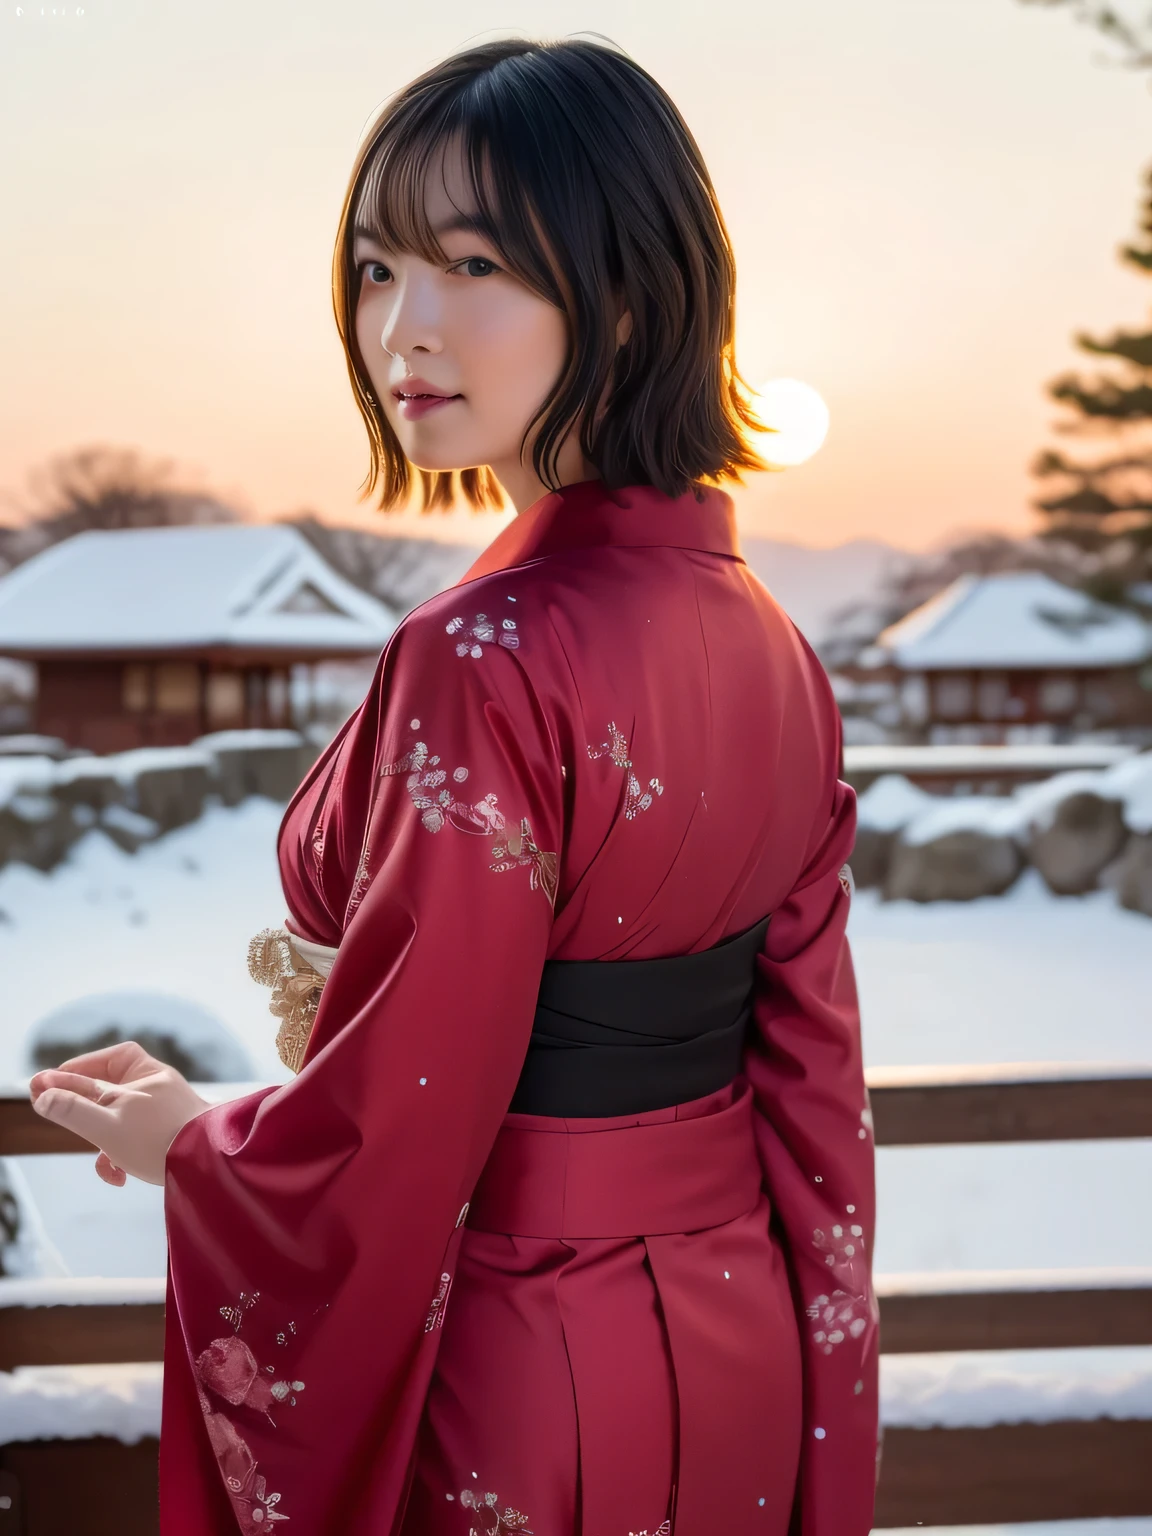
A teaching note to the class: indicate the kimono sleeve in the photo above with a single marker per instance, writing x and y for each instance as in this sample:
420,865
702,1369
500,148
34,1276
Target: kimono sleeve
814,1134
313,1227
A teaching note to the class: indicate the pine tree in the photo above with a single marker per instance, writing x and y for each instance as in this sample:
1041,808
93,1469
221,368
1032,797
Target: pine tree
1104,506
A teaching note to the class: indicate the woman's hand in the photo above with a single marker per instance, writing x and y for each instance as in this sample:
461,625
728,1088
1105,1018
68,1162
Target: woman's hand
123,1101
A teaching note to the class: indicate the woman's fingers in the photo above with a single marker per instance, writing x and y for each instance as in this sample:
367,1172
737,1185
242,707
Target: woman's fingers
109,1172
116,1063
78,1112
93,1088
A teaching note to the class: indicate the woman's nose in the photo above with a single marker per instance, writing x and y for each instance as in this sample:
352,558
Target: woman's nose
414,322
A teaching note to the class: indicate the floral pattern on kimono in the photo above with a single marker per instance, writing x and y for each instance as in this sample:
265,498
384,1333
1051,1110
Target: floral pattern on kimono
616,747
228,1369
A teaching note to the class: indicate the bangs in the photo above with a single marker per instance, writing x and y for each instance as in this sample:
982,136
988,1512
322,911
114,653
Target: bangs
390,206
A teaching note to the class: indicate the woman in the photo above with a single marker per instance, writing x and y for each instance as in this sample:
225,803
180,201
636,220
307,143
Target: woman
564,1225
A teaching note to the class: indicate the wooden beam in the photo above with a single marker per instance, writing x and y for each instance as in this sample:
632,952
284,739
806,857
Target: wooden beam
1021,1317
24,1133
1076,1470
82,1334
939,1106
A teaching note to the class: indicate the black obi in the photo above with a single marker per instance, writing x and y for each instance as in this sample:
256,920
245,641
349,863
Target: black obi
618,1037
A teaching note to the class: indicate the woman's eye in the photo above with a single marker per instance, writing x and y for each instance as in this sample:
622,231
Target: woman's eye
375,266
469,267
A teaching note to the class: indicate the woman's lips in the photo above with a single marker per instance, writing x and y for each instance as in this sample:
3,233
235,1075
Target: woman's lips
412,407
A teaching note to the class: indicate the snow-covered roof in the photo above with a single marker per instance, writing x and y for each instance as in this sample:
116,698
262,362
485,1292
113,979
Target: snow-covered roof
242,586
1012,619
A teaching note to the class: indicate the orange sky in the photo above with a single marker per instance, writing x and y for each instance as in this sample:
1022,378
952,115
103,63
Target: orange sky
925,197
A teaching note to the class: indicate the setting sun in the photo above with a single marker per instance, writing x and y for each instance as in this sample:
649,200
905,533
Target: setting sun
799,415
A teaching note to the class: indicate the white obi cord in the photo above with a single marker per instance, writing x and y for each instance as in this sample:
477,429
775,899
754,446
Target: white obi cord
321,957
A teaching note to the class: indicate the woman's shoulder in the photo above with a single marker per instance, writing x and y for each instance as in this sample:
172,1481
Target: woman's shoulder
501,611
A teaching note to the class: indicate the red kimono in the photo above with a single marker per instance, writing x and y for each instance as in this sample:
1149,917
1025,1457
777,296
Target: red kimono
396,1309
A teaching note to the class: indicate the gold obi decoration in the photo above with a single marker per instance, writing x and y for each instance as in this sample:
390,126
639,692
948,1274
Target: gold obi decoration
274,961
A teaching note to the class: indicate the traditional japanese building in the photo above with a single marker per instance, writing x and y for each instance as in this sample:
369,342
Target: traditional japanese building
1013,655
154,636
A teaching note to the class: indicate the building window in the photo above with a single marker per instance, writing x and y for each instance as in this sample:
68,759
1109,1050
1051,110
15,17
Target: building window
225,698
1059,694
953,698
135,688
992,697
177,688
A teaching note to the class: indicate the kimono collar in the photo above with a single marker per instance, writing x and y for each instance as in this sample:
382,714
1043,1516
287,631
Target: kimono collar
587,514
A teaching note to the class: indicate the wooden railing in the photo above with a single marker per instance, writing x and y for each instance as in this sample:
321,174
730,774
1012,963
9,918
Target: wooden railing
933,1476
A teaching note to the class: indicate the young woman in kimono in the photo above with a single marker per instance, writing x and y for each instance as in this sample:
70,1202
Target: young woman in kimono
565,1223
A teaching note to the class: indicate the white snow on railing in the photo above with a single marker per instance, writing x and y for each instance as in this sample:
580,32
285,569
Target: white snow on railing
1040,1386
968,757
916,1391
958,1282
66,1291
72,1402
987,1074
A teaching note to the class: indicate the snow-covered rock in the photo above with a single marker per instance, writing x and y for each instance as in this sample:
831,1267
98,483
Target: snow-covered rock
959,865
1085,834
127,829
36,829
882,811
1133,875
268,763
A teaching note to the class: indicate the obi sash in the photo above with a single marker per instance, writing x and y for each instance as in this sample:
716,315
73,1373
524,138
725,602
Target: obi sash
620,1037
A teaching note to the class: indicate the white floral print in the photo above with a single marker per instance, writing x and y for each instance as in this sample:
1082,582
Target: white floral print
482,631
488,1519
846,1308
616,747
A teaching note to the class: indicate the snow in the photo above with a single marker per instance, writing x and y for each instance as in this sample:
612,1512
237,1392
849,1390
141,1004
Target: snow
240,585
74,1401
1037,1386
1013,619
126,767
121,819
233,741
890,803
991,759
956,1282
991,815
76,1292
21,774
916,1391
173,918
1003,1072
1131,783
1023,976
893,803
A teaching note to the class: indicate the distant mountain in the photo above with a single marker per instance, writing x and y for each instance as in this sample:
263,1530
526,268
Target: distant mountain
812,585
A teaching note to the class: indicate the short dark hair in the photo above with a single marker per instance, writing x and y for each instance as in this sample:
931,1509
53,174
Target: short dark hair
599,200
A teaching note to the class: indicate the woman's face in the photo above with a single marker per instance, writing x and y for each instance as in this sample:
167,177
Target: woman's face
460,355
